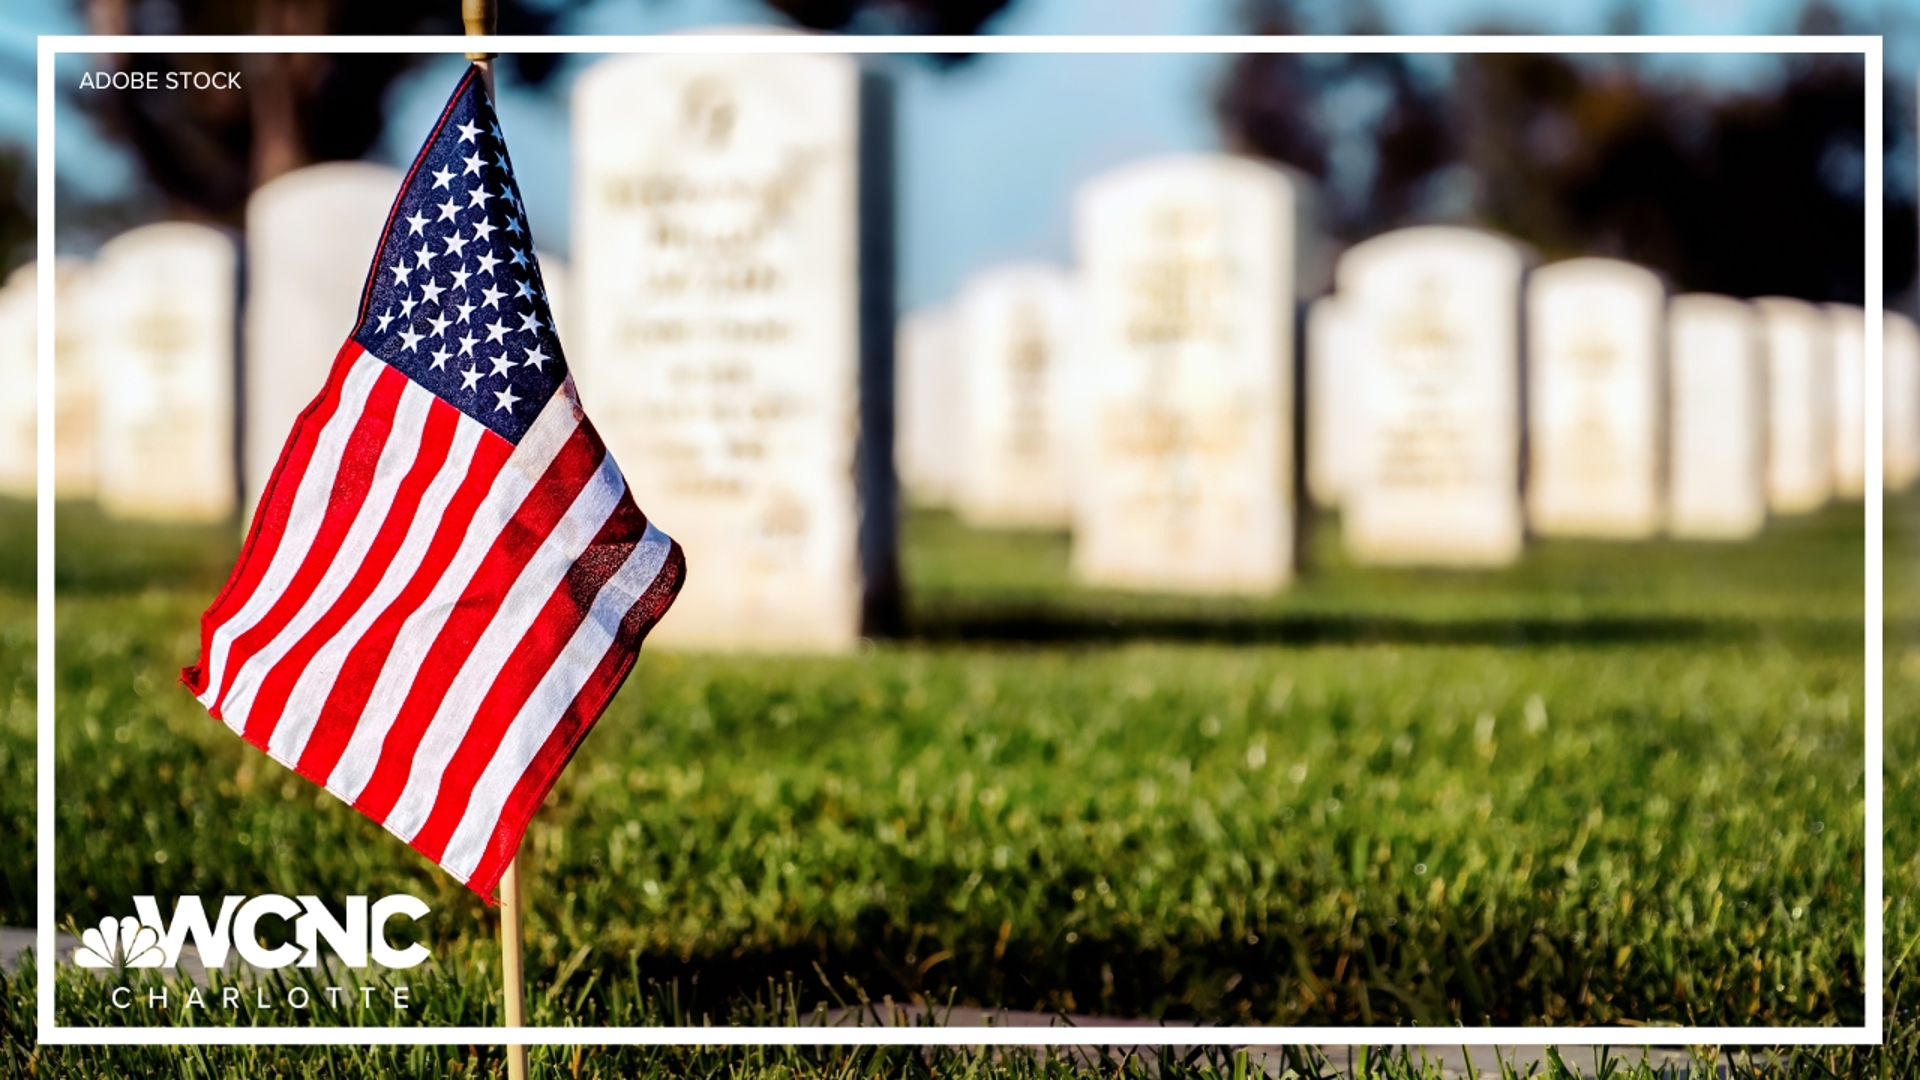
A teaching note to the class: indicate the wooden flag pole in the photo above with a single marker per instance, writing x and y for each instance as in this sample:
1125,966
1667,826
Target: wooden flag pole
480,19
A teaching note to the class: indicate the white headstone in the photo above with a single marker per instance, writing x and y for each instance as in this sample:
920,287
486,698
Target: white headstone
161,303
927,430
717,252
1849,330
1800,412
75,393
1716,407
1331,367
1184,475
311,236
1016,325
1901,356
18,364
1595,345
1436,478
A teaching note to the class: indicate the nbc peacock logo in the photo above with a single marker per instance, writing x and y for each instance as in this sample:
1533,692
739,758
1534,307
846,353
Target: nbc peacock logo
119,943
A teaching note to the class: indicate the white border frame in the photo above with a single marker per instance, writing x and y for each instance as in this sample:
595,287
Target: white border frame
51,1033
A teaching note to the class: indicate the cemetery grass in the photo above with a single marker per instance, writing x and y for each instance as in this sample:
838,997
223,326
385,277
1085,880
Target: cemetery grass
1571,800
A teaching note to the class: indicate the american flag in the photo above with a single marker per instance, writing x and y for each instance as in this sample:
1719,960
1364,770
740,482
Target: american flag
446,579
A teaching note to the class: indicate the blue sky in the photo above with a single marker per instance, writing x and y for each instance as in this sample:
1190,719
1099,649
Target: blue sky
1044,123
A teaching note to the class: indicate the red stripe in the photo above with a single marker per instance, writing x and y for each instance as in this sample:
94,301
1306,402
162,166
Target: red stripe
270,518
579,718
536,652
350,486
361,671
436,439
544,506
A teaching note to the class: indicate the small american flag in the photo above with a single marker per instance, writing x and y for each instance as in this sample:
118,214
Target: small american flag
447,578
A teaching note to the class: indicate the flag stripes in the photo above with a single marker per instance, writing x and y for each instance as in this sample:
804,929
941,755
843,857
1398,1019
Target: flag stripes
424,636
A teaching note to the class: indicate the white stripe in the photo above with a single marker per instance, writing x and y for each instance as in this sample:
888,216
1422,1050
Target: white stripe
309,696
518,609
303,520
550,700
396,459
523,469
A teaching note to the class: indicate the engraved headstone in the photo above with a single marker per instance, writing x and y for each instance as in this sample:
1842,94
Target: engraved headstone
1015,336
1331,367
75,388
309,233
1849,335
1595,330
734,333
1800,404
1436,476
1717,417
18,364
1184,474
161,303
926,426
1901,401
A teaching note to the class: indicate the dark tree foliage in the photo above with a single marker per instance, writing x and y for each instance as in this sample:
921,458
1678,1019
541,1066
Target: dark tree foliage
206,149
1744,193
891,16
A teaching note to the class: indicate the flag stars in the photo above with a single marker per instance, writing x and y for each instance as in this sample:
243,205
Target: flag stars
430,293
447,210
519,256
530,322
513,225
496,332
501,365
460,276
442,178
440,357
473,165
407,303
470,378
424,257
440,324
456,244
384,320
487,263
416,222
478,196
400,272
482,229
505,400
467,342
468,131
535,358
491,297
522,290
465,309
409,339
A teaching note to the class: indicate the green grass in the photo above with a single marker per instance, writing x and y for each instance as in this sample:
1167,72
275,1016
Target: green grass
1598,786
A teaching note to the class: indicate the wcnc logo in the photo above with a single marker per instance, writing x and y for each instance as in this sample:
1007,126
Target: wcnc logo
148,941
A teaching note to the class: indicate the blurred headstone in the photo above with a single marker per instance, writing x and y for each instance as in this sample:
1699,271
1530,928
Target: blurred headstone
1901,401
1849,335
557,279
160,301
18,365
1800,407
1716,407
1183,477
734,333
75,387
926,421
309,235
1331,368
1014,338
1436,472
1595,341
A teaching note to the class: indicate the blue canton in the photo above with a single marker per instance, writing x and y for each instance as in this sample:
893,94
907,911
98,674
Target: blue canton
456,301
